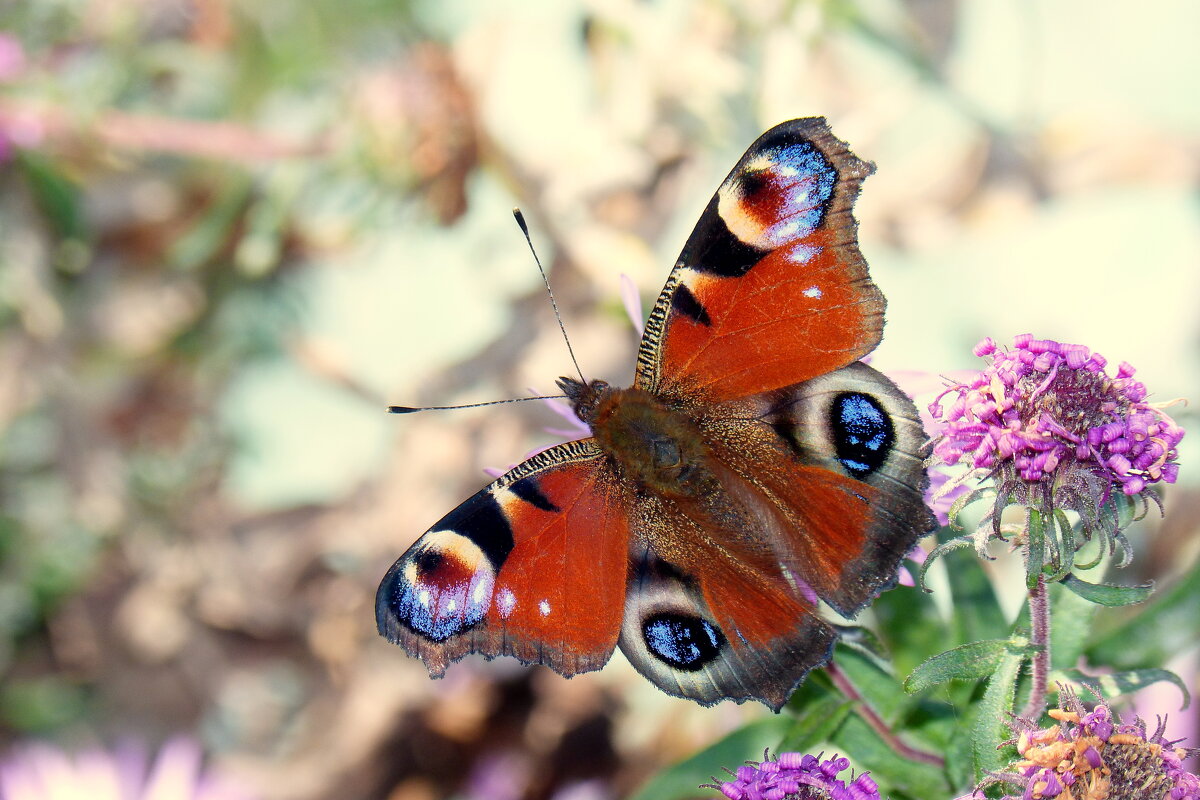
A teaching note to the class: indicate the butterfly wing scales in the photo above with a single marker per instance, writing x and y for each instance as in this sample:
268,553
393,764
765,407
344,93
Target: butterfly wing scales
532,566
771,288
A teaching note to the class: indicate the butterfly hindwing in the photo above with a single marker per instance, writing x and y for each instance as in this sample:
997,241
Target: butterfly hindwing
671,636
839,457
770,289
533,566
820,498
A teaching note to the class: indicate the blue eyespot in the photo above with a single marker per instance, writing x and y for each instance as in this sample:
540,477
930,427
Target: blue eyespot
683,642
438,614
862,433
805,161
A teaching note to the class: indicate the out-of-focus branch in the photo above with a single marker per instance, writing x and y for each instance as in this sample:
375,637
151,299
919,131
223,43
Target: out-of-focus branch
41,124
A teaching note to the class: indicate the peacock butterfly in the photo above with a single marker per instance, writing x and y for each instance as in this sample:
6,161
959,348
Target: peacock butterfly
755,466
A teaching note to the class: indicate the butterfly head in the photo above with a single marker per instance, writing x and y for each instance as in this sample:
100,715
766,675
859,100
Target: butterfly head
584,397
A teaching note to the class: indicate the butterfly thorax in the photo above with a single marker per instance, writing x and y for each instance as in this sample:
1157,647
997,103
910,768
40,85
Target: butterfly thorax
657,446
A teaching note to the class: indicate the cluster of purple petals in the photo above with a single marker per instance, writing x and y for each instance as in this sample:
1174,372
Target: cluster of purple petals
1045,782
1187,784
798,776
1044,404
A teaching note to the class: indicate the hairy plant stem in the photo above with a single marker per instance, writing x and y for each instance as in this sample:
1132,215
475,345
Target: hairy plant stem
1039,616
876,722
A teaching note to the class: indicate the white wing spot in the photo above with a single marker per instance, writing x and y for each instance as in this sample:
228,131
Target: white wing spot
452,606
477,595
813,291
423,597
803,253
544,607
508,601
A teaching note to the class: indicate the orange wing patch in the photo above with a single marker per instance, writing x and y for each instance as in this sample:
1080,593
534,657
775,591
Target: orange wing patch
563,586
781,323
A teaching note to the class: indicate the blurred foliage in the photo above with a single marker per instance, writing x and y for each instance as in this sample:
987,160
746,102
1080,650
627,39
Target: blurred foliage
233,231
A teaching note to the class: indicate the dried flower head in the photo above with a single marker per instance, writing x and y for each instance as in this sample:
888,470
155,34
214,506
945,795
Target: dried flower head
1094,756
797,776
1056,433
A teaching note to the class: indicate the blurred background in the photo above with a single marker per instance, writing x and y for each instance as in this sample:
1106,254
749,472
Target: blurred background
233,231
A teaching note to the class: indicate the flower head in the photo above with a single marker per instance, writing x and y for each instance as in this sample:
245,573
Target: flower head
797,776
40,772
1044,409
1095,756
1056,433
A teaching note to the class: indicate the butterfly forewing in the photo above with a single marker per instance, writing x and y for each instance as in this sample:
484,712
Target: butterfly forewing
533,566
770,289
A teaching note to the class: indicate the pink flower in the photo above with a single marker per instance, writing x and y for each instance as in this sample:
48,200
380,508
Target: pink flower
41,772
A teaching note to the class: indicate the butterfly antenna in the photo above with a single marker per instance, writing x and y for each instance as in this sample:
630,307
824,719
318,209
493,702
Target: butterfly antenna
525,230
414,409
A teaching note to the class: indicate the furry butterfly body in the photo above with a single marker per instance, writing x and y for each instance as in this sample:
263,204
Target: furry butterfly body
754,467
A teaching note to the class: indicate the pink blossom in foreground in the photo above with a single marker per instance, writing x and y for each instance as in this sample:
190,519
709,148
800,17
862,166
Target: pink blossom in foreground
42,772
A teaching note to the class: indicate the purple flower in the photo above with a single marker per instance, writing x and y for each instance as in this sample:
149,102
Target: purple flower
632,302
797,776
1045,409
1055,432
1095,755
41,772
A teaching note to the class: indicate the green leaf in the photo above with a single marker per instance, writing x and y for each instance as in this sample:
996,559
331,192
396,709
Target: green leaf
977,612
890,770
1070,625
816,724
41,705
864,641
964,500
988,729
968,662
214,230
910,625
1108,594
1059,532
1119,683
1164,626
938,552
960,755
56,195
744,744
877,686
